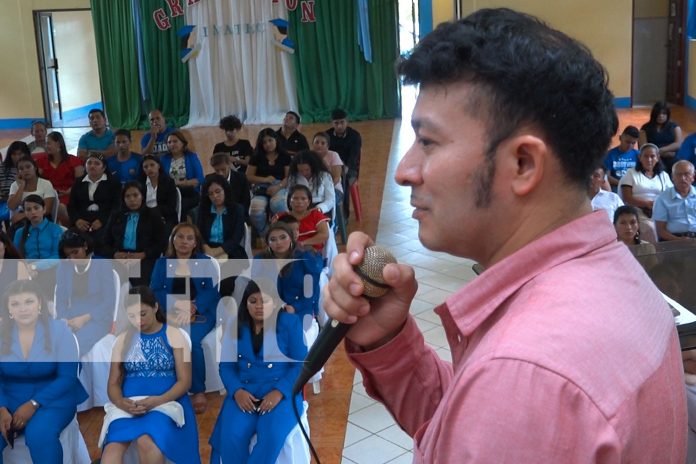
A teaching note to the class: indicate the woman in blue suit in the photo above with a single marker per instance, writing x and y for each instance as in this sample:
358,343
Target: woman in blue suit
258,375
39,389
282,247
85,292
184,287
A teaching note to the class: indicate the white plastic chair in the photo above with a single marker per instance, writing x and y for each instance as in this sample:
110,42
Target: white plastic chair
74,447
295,449
96,363
211,344
178,204
247,241
56,205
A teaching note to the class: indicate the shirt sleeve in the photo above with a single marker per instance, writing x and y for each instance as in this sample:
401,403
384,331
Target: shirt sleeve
329,201
407,376
660,209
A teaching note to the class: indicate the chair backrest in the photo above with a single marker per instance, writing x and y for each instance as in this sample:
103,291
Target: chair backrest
56,205
178,204
216,268
330,250
246,242
117,299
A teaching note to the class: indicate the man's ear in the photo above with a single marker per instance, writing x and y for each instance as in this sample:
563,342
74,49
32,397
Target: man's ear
525,158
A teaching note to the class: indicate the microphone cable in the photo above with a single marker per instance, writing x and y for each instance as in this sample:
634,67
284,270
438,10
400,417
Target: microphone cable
304,432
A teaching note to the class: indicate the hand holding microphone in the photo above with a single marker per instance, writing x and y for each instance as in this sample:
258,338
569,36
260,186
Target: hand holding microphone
365,271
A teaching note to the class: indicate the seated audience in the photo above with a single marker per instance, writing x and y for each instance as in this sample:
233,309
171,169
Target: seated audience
221,222
8,173
259,392
602,199
674,211
314,226
100,139
38,131
155,141
663,132
239,185
93,197
85,293
622,157
28,183
160,191
195,298
642,184
290,139
125,166
39,389
291,276
184,167
134,236
320,145
238,150
268,175
59,167
309,170
150,375
37,241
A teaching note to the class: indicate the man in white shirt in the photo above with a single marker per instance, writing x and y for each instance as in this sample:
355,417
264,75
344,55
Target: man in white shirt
602,199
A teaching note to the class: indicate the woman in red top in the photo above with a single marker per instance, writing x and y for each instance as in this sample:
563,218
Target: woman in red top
59,167
314,226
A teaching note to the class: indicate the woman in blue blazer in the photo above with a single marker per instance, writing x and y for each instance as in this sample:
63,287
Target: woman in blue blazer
39,389
185,168
183,284
258,373
85,292
291,262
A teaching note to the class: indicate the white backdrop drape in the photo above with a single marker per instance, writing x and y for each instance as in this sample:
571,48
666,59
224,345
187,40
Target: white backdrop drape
239,70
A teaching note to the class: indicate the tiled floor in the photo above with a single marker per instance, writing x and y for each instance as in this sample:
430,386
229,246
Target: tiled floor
372,435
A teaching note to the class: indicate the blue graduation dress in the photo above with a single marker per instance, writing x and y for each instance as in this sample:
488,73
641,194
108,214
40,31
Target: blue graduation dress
150,371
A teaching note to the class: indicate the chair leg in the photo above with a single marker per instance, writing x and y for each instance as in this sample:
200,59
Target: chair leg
355,199
341,223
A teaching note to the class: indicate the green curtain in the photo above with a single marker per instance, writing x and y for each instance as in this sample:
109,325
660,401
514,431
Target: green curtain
329,66
118,62
167,77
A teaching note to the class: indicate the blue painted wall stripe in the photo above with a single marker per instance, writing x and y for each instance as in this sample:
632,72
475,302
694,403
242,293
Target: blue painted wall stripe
425,17
622,102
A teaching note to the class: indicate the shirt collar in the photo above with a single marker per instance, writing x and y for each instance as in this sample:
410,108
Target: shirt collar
88,180
471,305
677,196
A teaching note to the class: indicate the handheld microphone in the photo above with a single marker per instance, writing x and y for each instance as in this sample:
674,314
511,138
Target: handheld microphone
370,272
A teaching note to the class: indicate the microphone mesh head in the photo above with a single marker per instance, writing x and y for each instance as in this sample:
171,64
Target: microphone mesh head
370,270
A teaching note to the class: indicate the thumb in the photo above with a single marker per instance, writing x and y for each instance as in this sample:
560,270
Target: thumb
401,278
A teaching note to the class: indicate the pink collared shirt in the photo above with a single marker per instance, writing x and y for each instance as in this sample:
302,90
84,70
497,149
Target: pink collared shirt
563,352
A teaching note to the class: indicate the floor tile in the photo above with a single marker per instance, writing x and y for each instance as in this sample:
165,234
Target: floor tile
373,418
373,450
397,436
358,402
406,458
354,434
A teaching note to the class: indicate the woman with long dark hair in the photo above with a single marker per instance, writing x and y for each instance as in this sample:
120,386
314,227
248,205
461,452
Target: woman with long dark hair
309,170
8,173
59,167
292,263
38,240
188,296
258,377
268,175
160,191
184,167
28,183
39,389
135,234
663,132
150,375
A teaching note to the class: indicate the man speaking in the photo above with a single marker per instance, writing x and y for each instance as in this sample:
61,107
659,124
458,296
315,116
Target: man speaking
563,350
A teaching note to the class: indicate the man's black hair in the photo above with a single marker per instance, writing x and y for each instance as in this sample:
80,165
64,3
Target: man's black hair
338,113
523,72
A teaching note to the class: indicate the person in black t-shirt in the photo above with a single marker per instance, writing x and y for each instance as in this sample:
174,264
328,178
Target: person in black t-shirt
347,142
240,150
290,139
